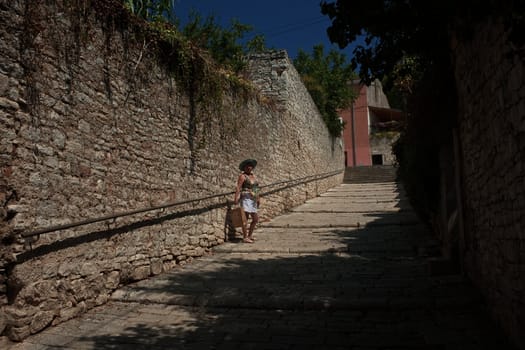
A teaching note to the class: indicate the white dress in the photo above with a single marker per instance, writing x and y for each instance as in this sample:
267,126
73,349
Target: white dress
249,205
249,194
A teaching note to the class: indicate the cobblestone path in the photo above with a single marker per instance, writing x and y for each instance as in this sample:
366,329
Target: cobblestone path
346,270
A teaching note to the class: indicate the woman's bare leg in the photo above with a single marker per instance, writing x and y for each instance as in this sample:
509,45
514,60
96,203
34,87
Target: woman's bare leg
244,231
245,235
255,220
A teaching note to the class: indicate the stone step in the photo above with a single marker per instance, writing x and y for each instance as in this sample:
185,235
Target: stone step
370,174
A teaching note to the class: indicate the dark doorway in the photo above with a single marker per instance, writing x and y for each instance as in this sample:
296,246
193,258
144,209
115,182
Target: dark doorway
377,159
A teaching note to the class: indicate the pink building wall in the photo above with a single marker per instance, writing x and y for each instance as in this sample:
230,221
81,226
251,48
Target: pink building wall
355,133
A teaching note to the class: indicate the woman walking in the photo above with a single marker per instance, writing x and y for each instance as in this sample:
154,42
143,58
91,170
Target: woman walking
247,196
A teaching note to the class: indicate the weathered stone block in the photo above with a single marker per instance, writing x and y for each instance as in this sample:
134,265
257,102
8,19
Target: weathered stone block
18,317
41,320
140,272
69,313
101,299
35,293
88,269
18,333
8,104
3,321
156,266
112,280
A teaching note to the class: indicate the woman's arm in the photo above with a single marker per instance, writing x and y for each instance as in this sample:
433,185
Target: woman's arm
240,180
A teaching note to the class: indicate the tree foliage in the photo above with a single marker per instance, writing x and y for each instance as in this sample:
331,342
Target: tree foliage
393,30
327,79
226,45
402,81
151,9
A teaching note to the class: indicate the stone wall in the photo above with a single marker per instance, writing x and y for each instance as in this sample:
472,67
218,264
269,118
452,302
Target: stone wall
92,125
381,144
491,89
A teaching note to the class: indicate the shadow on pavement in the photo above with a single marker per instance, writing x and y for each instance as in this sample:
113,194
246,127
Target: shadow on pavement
376,294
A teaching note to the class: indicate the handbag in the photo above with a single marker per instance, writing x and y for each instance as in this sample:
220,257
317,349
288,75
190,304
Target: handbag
237,217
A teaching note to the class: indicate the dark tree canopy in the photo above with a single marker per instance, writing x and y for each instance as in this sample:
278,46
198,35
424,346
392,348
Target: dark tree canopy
394,29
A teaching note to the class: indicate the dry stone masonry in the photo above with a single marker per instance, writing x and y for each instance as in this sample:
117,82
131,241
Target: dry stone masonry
92,125
491,88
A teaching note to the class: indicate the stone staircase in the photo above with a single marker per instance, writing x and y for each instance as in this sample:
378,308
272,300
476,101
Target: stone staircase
370,174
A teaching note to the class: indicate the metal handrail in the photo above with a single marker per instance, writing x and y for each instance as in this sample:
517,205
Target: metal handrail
164,206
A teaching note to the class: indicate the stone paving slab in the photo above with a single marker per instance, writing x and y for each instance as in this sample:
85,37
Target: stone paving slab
311,280
341,219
